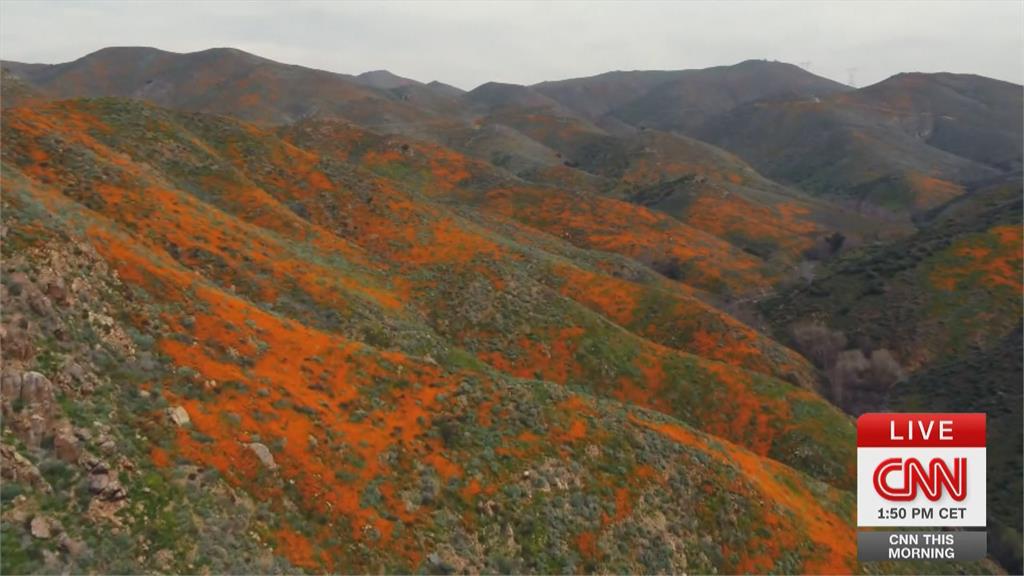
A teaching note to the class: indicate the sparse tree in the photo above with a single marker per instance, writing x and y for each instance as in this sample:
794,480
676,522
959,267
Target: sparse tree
855,380
885,371
847,375
818,342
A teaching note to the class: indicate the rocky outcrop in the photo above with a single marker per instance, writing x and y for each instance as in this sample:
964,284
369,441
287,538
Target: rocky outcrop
16,468
29,407
264,455
178,415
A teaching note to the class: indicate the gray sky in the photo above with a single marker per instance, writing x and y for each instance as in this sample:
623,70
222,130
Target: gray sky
466,44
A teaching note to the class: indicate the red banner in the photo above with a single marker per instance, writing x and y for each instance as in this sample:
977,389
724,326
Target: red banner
924,430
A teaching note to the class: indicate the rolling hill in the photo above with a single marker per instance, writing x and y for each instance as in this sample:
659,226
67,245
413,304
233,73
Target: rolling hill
681,100
519,129
219,81
905,145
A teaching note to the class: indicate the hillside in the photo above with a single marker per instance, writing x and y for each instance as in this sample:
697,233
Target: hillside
227,285
681,100
984,380
905,145
963,262
946,302
687,102
219,81
596,96
518,129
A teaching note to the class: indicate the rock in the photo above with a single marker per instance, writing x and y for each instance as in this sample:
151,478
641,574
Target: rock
51,562
438,565
40,528
67,447
29,402
39,303
17,345
17,512
107,487
98,483
263,453
36,430
10,386
108,446
73,547
17,468
95,465
105,511
164,559
36,391
445,560
57,291
178,415
114,492
73,373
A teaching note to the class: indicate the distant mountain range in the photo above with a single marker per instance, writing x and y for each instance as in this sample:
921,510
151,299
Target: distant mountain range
900,147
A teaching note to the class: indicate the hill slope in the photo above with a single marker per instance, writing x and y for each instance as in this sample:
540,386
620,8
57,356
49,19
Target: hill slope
220,81
516,128
947,303
315,364
907,144
680,100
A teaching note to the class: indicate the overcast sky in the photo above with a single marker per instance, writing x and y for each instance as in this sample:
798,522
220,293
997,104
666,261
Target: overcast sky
466,44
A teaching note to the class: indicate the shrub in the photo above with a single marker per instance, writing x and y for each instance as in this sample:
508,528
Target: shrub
854,378
847,374
884,371
818,342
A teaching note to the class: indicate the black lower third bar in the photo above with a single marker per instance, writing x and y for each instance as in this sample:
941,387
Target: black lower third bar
882,546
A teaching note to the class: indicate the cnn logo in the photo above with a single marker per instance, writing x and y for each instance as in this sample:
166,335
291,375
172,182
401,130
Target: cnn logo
931,481
912,469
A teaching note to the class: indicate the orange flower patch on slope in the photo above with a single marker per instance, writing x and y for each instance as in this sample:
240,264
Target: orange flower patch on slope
680,251
440,169
798,508
549,357
302,391
244,254
785,225
683,322
450,243
930,191
992,259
